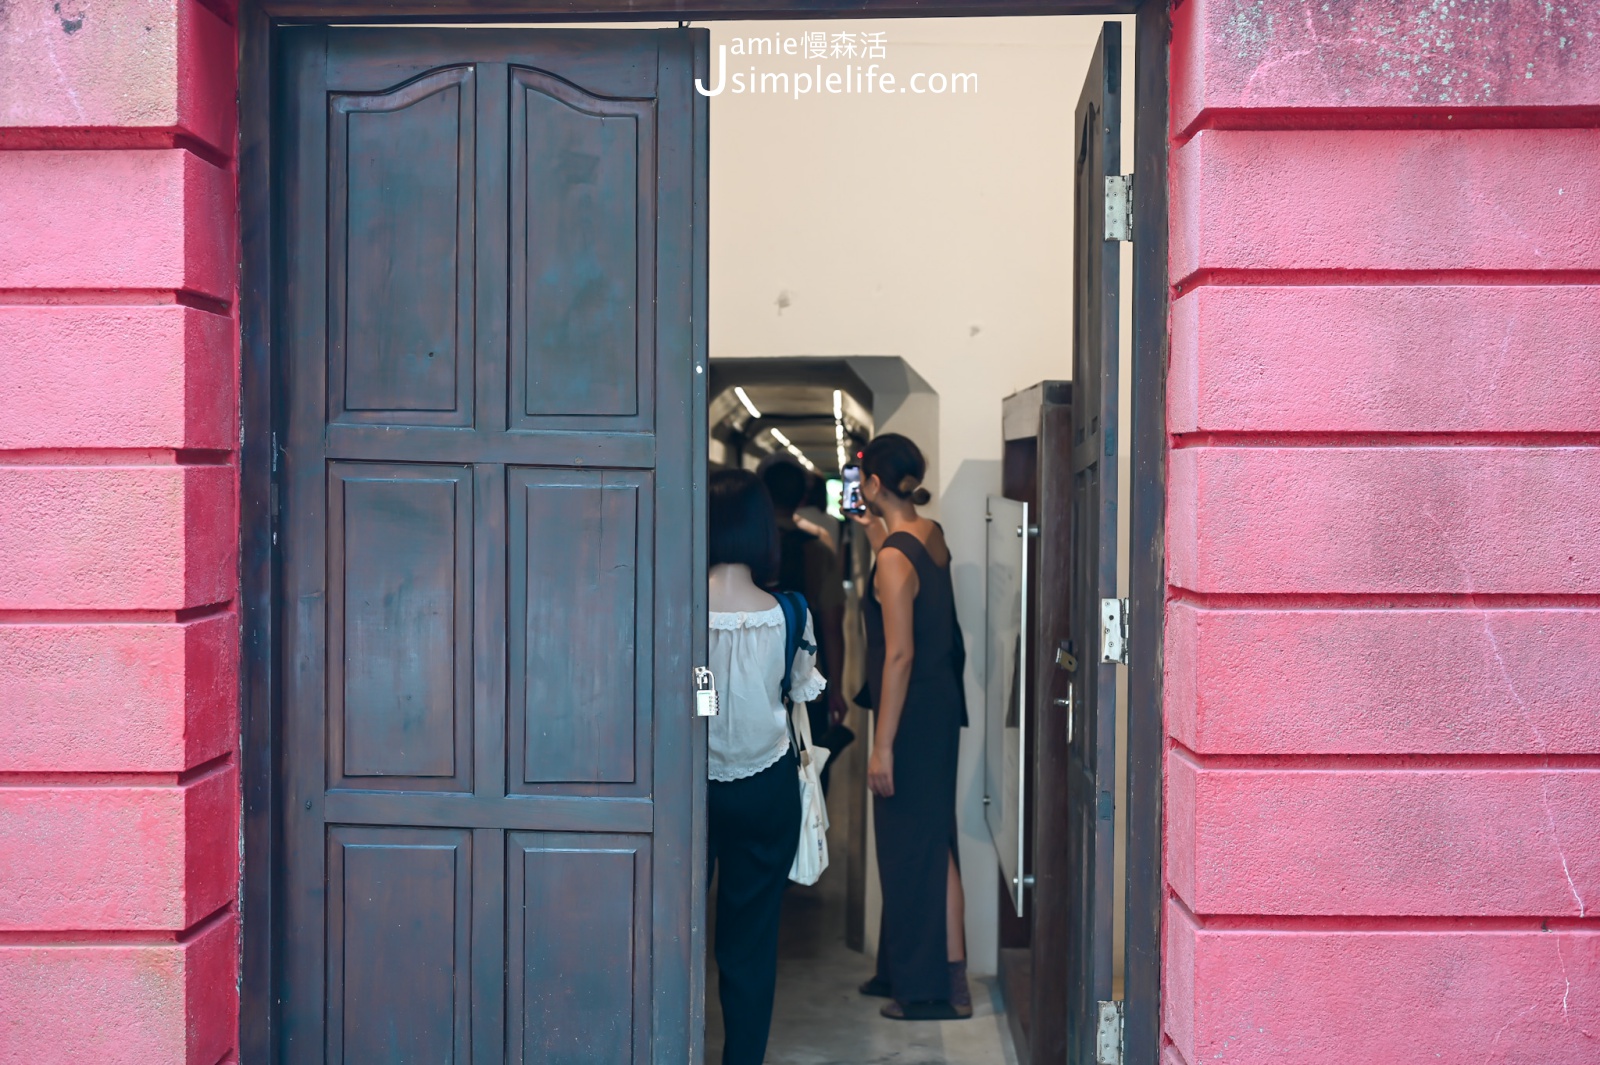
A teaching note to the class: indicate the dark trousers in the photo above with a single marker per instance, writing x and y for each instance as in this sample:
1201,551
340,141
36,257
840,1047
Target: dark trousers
754,829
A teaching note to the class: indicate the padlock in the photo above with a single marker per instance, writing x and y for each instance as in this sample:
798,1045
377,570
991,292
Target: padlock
705,693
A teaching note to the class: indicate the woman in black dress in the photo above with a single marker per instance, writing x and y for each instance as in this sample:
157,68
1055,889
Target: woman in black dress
915,660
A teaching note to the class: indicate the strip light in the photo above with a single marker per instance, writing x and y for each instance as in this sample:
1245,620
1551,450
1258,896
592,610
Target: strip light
745,399
838,427
796,452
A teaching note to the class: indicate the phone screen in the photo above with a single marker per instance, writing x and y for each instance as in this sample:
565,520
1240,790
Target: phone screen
850,498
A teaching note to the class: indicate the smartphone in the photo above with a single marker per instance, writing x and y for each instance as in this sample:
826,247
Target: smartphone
850,498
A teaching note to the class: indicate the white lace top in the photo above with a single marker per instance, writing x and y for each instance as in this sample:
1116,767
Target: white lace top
750,733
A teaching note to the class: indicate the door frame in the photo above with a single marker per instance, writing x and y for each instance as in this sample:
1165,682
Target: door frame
262,390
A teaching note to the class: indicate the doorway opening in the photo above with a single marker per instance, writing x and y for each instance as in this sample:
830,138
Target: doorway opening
892,265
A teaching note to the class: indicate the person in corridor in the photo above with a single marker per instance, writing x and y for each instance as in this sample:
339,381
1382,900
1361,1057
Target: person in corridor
806,564
915,661
753,795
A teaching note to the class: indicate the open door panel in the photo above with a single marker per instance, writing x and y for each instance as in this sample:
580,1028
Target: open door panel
1092,714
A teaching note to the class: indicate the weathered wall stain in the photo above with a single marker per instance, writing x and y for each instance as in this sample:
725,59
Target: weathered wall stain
70,24
1445,51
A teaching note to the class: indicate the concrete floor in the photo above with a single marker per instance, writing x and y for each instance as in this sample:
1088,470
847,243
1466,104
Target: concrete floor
819,1019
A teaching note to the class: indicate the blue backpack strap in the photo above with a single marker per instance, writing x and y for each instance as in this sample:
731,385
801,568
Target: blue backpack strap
794,629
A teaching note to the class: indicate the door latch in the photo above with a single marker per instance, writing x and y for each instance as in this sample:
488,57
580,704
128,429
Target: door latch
1114,630
1067,704
705,693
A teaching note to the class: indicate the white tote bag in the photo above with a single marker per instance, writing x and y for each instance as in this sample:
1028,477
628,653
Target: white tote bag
811,858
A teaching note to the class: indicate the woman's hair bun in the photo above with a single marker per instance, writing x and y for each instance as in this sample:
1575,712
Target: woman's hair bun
911,488
899,465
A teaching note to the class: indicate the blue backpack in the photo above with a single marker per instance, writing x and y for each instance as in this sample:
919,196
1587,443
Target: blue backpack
794,630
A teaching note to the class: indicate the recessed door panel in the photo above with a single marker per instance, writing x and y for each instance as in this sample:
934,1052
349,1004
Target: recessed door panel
398,927
401,255
401,644
576,921
579,624
581,253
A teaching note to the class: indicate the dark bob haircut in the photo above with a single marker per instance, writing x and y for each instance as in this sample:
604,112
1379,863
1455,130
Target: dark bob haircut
787,484
744,528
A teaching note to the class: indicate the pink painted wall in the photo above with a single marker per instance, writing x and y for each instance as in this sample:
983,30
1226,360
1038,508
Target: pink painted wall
119,793
1383,628
1382,694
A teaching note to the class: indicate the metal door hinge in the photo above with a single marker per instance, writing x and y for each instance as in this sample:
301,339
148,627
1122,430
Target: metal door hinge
1108,1037
705,693
1114,630
1119,207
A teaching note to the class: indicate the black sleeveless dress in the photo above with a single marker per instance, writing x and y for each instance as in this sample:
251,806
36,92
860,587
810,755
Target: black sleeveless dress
916,827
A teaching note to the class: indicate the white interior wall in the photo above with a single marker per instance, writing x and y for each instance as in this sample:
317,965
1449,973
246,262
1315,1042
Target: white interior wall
937,228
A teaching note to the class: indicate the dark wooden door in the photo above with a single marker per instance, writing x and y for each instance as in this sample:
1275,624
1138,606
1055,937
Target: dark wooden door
491,349
1091,764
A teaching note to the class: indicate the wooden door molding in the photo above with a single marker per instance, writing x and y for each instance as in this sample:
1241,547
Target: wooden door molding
261,25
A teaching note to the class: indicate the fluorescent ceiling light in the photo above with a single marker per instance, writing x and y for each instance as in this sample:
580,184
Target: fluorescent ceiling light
745,399
796,452
838,427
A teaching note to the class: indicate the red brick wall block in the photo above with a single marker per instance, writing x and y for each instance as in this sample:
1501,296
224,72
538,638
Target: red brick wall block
1385,200
135,67
116,377
1293,61
1391,358
123,697
117,537
146,220
121,1003
1401,839
1385,520
117,857
1452,993
1374,681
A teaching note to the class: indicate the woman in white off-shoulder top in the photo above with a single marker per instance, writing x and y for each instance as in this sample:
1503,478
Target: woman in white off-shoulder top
753,796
